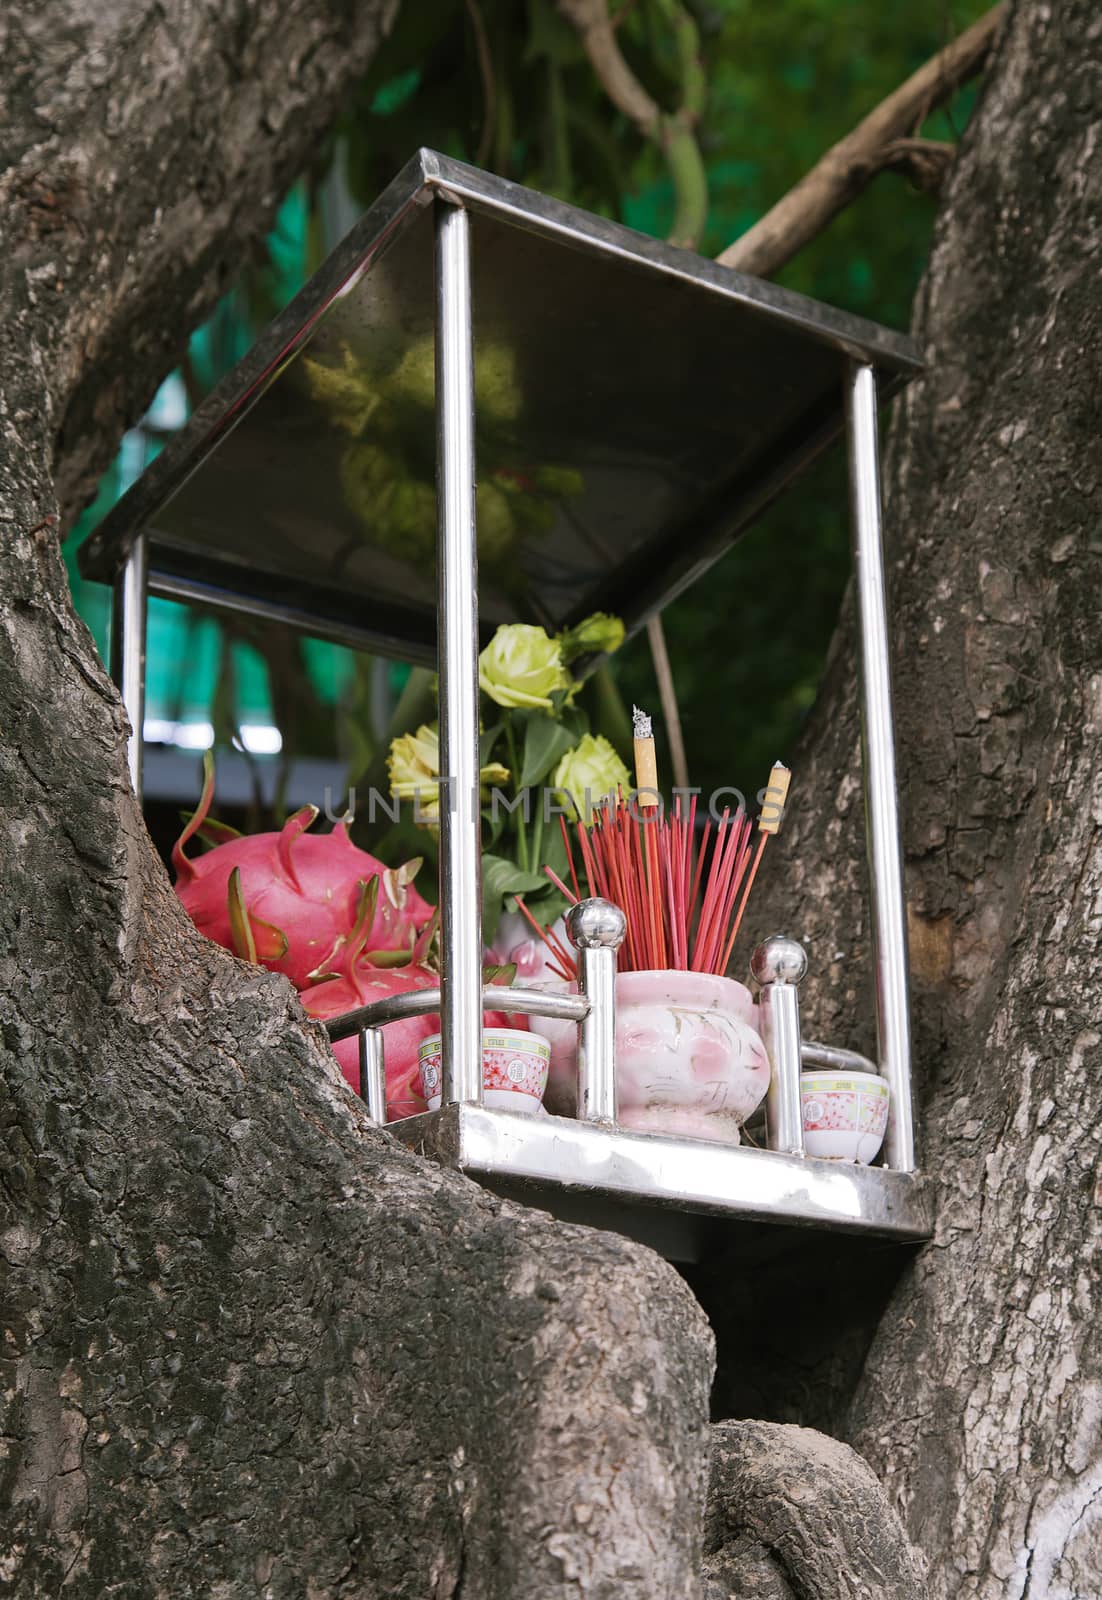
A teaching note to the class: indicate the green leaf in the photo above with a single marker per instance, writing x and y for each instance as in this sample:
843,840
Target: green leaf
493,827
549,907
486,742
500,878
545,744
553,853
610,714
551,36
576,721
503,974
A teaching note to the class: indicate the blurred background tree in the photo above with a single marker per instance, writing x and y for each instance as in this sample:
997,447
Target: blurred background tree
510,87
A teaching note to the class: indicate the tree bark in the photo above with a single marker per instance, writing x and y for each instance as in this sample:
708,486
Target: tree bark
979,1403
249,1345
794,1513
252,1347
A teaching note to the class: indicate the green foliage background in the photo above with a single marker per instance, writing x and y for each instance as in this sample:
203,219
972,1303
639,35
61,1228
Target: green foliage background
506,84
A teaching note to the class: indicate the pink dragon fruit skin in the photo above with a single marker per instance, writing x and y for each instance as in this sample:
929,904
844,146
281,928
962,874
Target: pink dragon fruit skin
401,1040
345,929
294,901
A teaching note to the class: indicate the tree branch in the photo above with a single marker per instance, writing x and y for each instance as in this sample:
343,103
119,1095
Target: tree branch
792,1512
850,165
673,131
927,161
591,19
671,716
489,85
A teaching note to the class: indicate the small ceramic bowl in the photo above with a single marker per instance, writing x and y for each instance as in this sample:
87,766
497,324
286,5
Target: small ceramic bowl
514,1069
845,1114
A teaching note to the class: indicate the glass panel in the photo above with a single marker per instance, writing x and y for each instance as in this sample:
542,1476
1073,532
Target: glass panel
633,408
630,421
326,484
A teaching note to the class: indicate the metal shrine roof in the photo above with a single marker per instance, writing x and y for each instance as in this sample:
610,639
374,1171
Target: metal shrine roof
637,407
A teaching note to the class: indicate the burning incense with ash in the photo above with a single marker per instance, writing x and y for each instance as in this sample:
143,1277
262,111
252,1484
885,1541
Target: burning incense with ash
646,761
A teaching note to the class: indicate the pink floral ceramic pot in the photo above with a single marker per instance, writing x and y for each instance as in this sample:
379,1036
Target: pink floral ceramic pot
845,1114
514,1069
689,1060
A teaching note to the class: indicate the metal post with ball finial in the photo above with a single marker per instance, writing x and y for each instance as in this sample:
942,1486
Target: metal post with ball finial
779,964
596,929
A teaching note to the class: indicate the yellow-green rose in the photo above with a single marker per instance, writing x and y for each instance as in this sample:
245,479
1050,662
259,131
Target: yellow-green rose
522,667
490,777
599,634
414,768
587,774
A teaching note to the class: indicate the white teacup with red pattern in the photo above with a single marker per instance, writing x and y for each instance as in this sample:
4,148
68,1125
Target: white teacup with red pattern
514,1069
845,1114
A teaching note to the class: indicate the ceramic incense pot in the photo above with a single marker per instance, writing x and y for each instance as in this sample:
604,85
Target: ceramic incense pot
844,1114
689,1060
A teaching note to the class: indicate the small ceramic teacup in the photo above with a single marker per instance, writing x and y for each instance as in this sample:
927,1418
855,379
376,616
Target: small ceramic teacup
845,1114
514,1069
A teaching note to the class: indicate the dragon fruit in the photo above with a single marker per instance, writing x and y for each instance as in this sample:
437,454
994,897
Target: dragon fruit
345,929
400,1040
359,986
290,901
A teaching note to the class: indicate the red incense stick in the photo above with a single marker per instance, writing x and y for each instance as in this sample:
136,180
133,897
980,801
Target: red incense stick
683,897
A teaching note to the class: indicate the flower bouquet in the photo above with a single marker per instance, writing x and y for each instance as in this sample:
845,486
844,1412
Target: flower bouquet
540,761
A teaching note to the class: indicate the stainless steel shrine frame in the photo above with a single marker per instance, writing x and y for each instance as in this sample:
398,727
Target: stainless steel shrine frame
591,1154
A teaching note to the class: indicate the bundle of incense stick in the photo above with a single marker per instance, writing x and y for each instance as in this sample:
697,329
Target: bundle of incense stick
683,903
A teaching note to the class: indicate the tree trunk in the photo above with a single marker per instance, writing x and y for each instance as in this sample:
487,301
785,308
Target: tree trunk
250,1346
793,1513
981,1397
